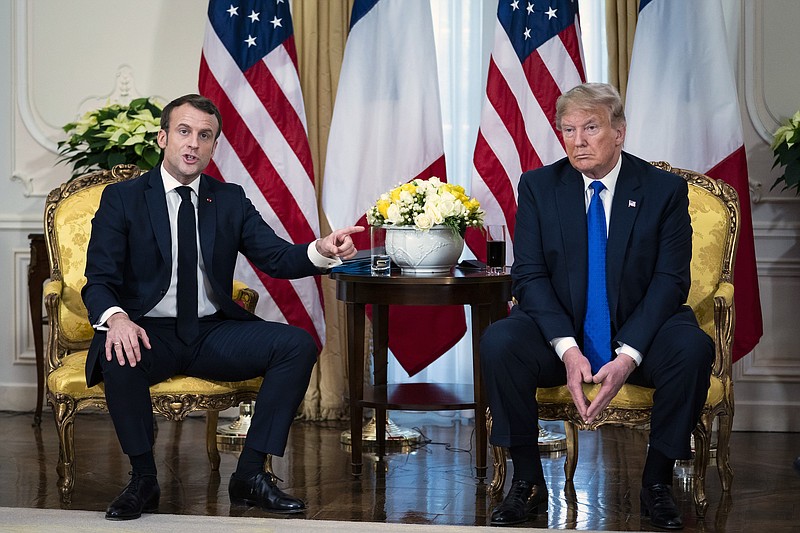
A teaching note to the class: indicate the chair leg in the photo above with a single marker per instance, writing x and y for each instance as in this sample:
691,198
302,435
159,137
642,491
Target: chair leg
702,450
64,410
724,450
212,419
571,463
499,457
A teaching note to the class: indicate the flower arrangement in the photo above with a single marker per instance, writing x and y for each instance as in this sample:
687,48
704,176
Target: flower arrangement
786,147
426,203
112,135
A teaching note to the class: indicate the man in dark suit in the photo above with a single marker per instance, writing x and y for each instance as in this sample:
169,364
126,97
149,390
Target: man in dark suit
588,318
159,272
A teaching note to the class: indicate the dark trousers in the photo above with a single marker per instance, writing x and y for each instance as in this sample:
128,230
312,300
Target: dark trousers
225,350
516,360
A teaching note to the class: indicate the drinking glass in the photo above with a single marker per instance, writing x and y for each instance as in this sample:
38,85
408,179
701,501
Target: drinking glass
495,248
380,264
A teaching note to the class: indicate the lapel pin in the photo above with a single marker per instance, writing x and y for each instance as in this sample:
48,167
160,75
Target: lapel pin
208,200
631,203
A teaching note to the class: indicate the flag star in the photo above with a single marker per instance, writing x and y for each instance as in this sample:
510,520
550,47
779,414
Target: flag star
280,1
233,11
251,41
551,13
530,8
253,16
527,33
515,5
276,22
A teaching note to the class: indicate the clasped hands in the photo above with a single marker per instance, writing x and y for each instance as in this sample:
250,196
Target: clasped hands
611,377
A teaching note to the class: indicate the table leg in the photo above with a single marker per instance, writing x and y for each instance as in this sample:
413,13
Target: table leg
354,314
380,349
481,317
37,273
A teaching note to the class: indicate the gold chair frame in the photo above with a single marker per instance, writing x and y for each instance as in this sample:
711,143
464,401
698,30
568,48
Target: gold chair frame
631,407
174,398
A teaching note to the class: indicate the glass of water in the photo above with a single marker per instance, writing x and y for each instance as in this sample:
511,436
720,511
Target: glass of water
380,264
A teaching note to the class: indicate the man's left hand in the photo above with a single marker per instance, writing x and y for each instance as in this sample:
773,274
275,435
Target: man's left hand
338,243
611,376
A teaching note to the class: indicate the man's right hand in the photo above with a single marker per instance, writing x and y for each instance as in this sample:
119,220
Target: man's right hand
122,339
579,371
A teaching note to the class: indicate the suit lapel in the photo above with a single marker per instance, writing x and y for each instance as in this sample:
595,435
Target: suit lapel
625,208
572,221
159,217
207,221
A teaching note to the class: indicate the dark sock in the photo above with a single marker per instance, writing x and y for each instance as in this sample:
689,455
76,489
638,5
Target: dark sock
251,462
144,464
527,464
657,468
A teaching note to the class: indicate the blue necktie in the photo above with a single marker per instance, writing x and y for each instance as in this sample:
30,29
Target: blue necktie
597,323
187,322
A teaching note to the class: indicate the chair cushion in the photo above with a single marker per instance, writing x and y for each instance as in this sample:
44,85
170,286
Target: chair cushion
710,226
70,379
629,396
73,228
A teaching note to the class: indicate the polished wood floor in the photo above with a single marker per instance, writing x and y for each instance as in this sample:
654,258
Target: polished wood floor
432,484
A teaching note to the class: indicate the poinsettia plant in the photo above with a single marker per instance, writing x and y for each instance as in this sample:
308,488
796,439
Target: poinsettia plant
112,135
426,203
786,147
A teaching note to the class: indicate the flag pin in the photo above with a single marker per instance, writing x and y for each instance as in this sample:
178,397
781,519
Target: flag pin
208,200
631,203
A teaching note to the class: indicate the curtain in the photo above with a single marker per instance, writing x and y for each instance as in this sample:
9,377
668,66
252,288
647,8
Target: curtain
320,33
621,18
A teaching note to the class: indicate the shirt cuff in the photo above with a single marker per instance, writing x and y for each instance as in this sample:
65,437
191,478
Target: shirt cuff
562,344
631,352
319,260
101,323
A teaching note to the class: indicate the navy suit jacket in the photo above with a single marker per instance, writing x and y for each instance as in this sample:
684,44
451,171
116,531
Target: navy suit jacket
647,259
129,258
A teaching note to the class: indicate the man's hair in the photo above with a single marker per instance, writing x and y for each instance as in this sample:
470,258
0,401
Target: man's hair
198,102
590,97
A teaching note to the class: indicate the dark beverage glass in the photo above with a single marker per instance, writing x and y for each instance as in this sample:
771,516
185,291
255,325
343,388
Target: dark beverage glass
495,248
495,254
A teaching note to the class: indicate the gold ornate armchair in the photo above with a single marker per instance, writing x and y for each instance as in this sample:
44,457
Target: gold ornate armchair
69,210
714,210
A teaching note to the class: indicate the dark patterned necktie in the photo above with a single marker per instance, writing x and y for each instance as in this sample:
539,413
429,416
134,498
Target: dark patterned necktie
187,323
597,323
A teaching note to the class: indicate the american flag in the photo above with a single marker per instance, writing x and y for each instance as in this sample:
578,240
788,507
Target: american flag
249,69
680,60
537,56
387,130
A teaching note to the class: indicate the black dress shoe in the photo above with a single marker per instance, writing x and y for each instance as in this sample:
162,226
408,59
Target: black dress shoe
261,490
658,503
140,496
522,502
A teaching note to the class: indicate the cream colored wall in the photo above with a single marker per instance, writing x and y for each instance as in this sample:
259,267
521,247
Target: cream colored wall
767,382
61,57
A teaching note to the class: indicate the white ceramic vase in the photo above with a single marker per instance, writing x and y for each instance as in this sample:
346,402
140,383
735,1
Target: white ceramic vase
423,252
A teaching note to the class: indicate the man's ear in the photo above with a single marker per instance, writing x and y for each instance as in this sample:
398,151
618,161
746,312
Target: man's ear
161,139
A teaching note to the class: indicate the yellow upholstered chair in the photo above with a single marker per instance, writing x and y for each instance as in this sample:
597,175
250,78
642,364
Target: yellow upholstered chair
68,216
714,210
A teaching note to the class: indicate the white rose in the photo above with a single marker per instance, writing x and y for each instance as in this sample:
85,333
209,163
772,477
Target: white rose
423,221
393,214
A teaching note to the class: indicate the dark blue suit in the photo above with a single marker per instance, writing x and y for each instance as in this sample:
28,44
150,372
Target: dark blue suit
129,263
647,277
